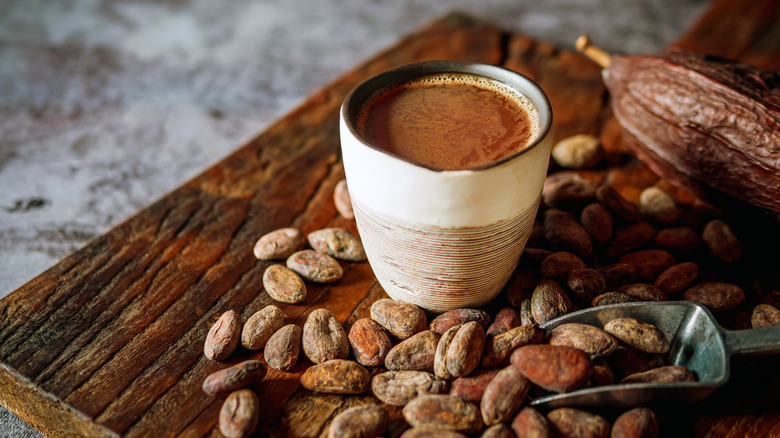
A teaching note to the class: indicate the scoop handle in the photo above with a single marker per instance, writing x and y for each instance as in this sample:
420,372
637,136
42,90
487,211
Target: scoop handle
764,340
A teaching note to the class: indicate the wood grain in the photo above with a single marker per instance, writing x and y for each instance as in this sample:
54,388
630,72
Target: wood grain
108,342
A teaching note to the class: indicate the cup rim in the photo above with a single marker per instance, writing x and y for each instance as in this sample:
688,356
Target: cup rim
510,78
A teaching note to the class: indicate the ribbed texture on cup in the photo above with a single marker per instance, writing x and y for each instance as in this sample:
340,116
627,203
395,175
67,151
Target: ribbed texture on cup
442,268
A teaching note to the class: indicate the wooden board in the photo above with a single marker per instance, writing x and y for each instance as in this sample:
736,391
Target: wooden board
108,342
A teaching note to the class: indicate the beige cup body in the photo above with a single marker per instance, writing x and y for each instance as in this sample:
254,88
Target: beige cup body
444,239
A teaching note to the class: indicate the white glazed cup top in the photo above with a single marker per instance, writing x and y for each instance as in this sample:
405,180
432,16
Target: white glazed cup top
444,239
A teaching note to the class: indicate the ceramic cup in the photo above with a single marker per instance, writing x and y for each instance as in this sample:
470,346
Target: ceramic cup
444,239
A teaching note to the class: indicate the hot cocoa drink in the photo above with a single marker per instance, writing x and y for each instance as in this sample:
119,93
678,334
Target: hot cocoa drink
448,121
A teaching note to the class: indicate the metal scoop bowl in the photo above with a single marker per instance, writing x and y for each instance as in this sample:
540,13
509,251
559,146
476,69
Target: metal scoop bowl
697,343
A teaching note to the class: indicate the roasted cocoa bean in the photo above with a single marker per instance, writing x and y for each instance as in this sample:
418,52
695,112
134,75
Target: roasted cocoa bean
617,204
586,283
472,387
611,298
415,353
366,421
239,414
526,317
636,423
324,337
279,244
564,233
500,430
444,411
571,422
556,369
399,318
342,200
765,315
549,301
499,348
602,373
451,318
664,374
222,338
440,357
465,349
532,257
369,342
568,191
431,432
229,379
559,264
283,348
659,205
315,266
398,388
630,237
643,292
721,241
506,319
503,396
649,263
337,376
532,424
638,335
338,243
590,339
597,221
580,151
260,326
677,278
618,274
283,284
716,296
681,240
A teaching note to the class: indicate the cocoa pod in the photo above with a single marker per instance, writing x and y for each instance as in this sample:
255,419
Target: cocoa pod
454,317
366,421
324,337
649,263
556,369
564,233
681,240
506,319
664,374
444,411
399,318
222,338
343,200
531,423
369,342
259,328
597,221
499,348
617,204
398,388
677,278
503,396
638,335
338,243
440,357
283,347
580,151
636,423
232,378
721,241
643,292
586,283
315,266
279,244
337,376
472,387
239,414
465,349
716,296
571,422
549,301
630,237
659,205
567,191
559,264
415,353
590,339
283,284
499,430
765,315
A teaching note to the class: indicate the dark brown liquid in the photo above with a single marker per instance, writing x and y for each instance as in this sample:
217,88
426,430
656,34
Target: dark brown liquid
447,122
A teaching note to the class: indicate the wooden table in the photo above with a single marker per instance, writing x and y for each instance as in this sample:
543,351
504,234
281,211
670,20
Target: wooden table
108,342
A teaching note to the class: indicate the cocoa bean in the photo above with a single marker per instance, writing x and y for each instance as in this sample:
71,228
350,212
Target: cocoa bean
472,387
580,151
532,424
369,342
315,266
765,315
560,263
222,338
602,373
526,317
232,378
283,348
399,318
618,274
398,388
283,284
592,340
571,422
617,204
716,296
649,263
239,414
533,257
260,326
521,285
636,423
415,353
638,335
324,337
630,237
366,421
440,357
682,240
279,244
624,362
338,243
643,292
503,396
451,318
611,298
586,283
337,376
549,301
721,241
465,349
664,374
597,221
443,411
568,191
659,205
556,369
506,319
677,278
342,200
564,233
431,432
500,430
499,348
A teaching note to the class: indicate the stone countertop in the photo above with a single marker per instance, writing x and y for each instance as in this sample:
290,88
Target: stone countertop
106,106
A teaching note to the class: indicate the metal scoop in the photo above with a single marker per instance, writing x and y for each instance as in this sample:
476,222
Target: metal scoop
697,343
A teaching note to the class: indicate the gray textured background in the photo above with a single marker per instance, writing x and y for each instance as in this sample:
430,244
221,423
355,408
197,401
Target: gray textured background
105,106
